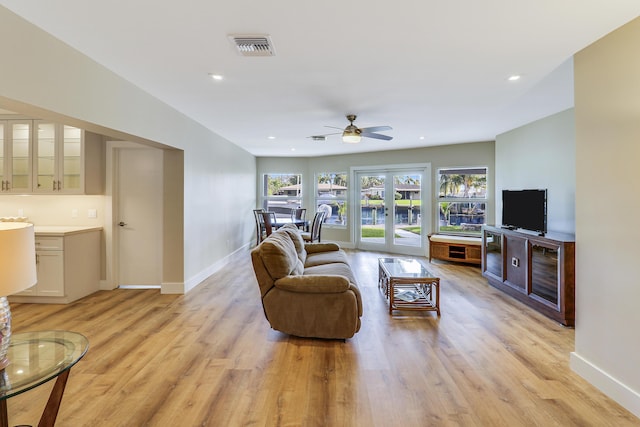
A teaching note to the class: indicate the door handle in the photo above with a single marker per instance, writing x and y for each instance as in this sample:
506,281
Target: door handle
122,223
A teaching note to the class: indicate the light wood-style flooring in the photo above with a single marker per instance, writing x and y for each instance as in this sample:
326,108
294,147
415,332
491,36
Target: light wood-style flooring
209,358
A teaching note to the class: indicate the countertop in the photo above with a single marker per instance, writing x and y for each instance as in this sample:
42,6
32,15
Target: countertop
62,230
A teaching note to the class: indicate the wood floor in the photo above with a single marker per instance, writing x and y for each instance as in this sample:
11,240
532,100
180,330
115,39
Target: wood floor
209,358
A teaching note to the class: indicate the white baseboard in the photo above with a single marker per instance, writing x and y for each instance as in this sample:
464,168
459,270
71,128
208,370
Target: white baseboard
609,385
345,245
105,286
194,281
172,288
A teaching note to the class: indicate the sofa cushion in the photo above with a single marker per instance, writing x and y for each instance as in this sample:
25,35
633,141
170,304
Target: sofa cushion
297,240
319,258
321,247
313,284
279,256
336,268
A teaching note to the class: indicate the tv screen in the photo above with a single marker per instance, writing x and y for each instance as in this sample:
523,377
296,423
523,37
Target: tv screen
525,209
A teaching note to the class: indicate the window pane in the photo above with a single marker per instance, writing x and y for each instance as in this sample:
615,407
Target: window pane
332,185
461,217
331,196
282,185
282,193
470,183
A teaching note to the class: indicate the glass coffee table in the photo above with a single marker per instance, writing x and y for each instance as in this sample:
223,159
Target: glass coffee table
36,358
408,285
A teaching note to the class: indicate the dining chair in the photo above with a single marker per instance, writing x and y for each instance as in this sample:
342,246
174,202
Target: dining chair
316,228
298,214
298,217
257,213
270,221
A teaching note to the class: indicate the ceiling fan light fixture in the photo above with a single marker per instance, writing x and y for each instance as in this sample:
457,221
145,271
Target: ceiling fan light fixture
351,138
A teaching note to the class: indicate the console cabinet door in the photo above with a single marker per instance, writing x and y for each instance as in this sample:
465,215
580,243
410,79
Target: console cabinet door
545,273
516,263
493,258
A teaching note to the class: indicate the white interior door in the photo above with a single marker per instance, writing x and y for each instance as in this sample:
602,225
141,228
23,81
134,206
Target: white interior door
392,214
139,216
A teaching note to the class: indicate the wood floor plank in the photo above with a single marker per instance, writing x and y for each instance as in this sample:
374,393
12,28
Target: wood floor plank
209,358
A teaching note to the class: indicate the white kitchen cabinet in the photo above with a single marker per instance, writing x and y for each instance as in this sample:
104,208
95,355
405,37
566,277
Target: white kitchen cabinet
61,155
15,165
68,265
49,268
37,156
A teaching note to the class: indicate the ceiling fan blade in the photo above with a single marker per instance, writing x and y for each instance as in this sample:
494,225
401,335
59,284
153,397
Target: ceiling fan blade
333,127
375,129
325,134
376,136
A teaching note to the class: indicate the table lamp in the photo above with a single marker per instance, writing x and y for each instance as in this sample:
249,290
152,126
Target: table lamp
17,273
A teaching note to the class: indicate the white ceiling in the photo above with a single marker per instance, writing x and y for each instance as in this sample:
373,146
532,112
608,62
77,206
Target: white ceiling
429,68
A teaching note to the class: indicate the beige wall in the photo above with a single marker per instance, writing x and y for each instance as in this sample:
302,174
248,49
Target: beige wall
607,97
456,155
541,155
44,78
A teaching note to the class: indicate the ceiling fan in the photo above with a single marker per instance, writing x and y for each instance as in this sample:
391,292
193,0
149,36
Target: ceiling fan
352,134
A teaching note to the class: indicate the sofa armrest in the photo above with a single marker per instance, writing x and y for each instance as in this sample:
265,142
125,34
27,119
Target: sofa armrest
320,247
316,284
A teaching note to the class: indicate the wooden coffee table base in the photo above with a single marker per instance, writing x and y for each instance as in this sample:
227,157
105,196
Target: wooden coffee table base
418,294
409,293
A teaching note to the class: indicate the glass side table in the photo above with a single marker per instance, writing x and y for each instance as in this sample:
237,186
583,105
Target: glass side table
36,358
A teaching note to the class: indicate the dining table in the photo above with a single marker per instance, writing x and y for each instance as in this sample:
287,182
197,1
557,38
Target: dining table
300,223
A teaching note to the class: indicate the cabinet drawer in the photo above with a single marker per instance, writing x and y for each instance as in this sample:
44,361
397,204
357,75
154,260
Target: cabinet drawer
44,243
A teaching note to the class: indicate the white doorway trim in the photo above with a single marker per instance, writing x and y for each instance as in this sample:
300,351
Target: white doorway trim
112,208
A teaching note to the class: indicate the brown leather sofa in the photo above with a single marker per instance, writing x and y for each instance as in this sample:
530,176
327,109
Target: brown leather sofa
307,290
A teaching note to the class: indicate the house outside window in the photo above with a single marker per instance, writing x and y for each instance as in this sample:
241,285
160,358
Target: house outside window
281,192
331,196
462,200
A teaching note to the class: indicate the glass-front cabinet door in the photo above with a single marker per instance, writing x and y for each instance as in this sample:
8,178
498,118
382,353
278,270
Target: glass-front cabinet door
71,159
45,157
58,158
2,154
494,254
18,173
545,273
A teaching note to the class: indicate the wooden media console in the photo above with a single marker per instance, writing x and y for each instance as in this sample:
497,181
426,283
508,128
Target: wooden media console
537,270
455,248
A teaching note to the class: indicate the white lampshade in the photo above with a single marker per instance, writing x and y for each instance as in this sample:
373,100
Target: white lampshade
351,138
17,257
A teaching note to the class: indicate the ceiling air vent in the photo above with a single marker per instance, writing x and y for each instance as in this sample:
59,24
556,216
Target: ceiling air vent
253,45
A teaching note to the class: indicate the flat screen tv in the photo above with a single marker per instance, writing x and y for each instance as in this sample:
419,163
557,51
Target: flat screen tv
526,209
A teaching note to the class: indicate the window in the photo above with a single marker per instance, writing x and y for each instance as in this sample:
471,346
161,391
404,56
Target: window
281,192
462,197
331,196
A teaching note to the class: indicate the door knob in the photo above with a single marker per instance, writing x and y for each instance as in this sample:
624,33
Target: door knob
122,223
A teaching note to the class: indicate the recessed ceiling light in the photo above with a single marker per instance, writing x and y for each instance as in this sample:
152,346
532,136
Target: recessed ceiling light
514,78
216,77
293,149
422,137
271,137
